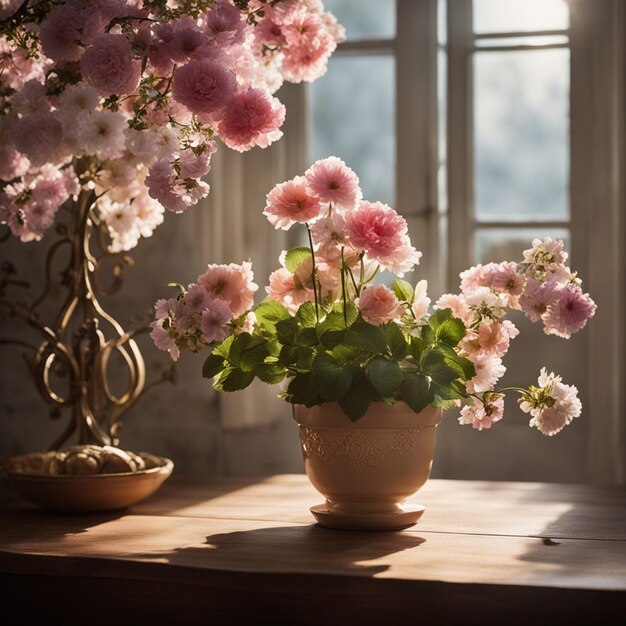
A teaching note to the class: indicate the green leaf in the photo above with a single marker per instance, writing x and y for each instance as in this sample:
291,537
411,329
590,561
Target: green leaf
269,312
366,337
234,379
304,389
306,337
357,400
450,332
335,379
440,316
286,331
306,315
331,331
404,291
464,366
239,344
395,340
415,391
213,365
223,349
270,373
384,375
416,347
295,256
427,335
352,312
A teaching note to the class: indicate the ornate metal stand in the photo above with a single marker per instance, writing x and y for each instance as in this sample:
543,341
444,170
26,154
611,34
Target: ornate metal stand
70,366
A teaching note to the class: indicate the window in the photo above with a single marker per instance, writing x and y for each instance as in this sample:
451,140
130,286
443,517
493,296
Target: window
472,119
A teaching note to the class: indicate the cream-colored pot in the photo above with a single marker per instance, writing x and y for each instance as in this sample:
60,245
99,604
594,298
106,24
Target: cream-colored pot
368,468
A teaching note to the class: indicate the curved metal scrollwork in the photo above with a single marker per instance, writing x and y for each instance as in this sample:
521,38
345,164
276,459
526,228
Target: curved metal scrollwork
77,347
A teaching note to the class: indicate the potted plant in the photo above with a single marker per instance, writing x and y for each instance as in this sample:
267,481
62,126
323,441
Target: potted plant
368,367
109,115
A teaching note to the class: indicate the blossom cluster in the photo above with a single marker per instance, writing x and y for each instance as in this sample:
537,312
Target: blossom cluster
453,356
127,97
546,290
210,309
347,233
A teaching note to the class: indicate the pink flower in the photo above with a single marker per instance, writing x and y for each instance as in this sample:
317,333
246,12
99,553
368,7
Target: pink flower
553,405
475,277
203,86
308,46
537,297
489,370
214,320
12,163
224,24
100,132
291,202
253,118
38,136
290,291
569,313
61,34
8,8
160,336
494,337
161,186
109,66
382,234
334,182
233,284
378,304
506,279
196,300
483,414
194,165
456,303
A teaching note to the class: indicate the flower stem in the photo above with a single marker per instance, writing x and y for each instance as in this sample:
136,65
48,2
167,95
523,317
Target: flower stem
313,272
343,288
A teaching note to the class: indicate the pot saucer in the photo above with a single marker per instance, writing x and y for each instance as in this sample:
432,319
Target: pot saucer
396,520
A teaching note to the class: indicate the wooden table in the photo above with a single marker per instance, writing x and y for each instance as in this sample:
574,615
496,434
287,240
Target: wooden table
247,551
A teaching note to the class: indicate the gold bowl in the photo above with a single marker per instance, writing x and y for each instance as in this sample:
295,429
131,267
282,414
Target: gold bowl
84,493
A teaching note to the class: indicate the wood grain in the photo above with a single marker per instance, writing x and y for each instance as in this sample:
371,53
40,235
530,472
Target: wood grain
252,544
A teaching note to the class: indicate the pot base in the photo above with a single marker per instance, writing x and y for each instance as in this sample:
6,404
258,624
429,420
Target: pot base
397,520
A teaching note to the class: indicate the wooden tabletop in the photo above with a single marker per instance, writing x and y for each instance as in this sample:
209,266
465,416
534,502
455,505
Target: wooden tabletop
248,551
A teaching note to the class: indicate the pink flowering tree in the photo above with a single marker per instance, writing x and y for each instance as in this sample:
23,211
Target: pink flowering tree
124,99
110,111
327,332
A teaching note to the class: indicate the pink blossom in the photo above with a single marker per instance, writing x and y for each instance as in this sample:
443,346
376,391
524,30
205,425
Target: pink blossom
475,277
308,46
203,86
494,337
214,319
291,202
160,336
100,132
506,279
483,414
109,66
253,118
61,34
161,183
32,98
194,165
537,297
12,163
267,32
8,8
233,284
382,234
186,39
456,303
163,307
378,304
289,291
489,370
195,300
38,136
329,237
334,182
569,313
553,405
223,23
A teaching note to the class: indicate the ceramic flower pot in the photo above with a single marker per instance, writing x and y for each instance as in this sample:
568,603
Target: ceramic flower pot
367,469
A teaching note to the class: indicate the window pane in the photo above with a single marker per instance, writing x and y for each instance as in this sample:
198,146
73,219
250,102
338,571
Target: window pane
352,117
530,40
365,19
521,117
492,16
507,244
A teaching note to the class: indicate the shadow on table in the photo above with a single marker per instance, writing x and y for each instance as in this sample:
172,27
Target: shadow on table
292,548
